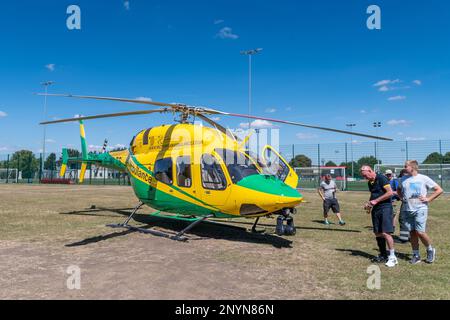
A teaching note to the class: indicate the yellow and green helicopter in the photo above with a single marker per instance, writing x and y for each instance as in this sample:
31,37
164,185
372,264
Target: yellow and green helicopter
198,172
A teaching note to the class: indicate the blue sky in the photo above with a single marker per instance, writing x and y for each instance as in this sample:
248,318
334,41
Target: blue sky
320,65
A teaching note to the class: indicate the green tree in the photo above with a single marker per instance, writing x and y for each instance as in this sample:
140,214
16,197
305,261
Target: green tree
50,163
300,160
371,161
26,162
434,158
447,158
330,164
348,166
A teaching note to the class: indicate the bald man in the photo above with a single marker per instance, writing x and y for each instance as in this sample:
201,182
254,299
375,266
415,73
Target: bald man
380,207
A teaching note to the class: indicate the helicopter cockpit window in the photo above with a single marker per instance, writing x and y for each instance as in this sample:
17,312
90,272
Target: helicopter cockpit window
213,177
184,173
163,170
276,165
239,166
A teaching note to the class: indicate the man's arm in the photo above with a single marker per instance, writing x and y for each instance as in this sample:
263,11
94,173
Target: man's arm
437,192
384,197
319,190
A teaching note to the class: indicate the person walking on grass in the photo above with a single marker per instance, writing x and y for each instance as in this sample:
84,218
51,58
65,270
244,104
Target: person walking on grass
380,207
414,190
327,192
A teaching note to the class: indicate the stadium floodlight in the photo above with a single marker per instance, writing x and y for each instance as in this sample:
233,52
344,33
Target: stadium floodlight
250,53
46,84
377,125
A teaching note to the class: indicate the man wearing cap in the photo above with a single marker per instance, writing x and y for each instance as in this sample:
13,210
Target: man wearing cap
327,192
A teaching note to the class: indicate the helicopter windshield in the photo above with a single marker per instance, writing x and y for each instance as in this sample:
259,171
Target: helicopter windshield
239,165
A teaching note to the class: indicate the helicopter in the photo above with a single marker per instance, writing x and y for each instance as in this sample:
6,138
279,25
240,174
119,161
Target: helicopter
197,172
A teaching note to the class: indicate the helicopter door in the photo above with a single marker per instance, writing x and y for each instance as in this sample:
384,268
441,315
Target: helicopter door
215,188
279,167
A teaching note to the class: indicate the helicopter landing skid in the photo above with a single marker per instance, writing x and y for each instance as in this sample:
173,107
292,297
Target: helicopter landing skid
178,237
254,227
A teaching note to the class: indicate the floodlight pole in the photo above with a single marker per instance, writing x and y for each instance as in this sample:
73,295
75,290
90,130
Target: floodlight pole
45,84
351,126
250,53
377,125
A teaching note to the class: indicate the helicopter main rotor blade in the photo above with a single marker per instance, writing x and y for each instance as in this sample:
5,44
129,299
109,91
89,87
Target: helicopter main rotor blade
308,126
110,115
139,101
215,124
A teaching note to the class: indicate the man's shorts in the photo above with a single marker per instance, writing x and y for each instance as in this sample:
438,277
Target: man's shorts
332,204
415,220
382,219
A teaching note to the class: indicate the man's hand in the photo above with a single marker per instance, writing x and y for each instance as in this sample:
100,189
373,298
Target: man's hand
424,199
368,206
373,203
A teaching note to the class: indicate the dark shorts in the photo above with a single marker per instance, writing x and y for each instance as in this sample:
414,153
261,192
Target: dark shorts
382,219
332,204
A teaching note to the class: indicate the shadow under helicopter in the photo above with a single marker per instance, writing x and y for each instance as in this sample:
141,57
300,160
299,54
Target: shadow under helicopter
205,230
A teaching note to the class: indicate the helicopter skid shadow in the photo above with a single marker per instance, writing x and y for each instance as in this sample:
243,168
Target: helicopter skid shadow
204,231
359,253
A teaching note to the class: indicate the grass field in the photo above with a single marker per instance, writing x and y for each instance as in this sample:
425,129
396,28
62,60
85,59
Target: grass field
45,229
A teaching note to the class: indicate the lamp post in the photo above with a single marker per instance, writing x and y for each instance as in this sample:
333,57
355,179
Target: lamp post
377,125
46,84
351,126
250,53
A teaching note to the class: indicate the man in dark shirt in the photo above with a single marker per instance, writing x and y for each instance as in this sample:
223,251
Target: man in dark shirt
380,206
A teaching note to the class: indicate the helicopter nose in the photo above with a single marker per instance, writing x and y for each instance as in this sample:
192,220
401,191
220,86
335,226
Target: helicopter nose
277,192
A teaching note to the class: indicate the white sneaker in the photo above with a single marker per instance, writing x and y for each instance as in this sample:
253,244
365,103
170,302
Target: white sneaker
392,262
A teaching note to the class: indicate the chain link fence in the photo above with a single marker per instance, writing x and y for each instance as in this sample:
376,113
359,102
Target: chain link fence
27,167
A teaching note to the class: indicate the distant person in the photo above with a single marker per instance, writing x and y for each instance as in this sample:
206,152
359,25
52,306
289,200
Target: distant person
414,191
327,192
380,207
394,186
404,229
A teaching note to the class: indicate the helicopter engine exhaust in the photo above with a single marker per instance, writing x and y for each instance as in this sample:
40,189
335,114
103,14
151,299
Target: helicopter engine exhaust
285,223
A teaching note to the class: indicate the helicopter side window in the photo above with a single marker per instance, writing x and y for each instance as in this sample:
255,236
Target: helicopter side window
213,177
184,173
239,166
163,170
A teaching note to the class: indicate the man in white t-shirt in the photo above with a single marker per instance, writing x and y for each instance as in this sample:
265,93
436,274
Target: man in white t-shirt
327,192
413,190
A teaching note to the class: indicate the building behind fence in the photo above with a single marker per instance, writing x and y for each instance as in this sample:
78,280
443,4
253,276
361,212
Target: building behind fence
25,167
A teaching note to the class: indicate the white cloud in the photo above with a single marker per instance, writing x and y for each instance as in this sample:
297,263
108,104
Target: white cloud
215,118
219,21
257,124
3,114
227,33
306,136
399,122
51,67
271,110
415,138
384,89
3,148
386,82
144,99
396,98
417,82
126,5
50,141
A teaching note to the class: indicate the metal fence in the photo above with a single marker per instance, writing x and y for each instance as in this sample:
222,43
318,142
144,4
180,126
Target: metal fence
25,166
376,154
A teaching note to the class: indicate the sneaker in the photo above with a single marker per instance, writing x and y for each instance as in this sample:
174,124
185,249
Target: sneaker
342,223
392,262
431,255
380,259
326,223
415,259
